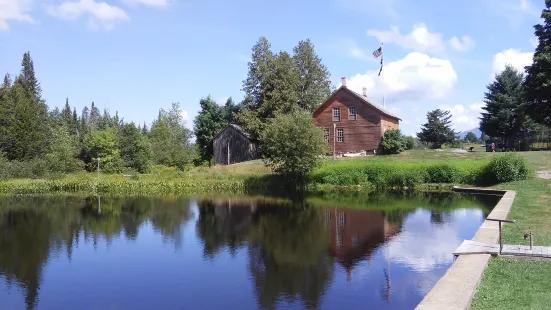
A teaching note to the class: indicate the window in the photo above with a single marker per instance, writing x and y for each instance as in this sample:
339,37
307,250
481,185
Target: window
336,114
340,135
326,135
352,113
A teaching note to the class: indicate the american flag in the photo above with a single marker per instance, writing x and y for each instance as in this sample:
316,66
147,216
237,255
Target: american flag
378,52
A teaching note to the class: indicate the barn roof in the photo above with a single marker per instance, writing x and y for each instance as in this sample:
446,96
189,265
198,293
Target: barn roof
239,129
361,98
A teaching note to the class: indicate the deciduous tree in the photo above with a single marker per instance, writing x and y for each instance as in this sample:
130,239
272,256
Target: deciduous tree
208,123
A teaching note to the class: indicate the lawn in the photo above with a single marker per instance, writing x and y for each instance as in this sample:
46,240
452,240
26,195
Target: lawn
521,284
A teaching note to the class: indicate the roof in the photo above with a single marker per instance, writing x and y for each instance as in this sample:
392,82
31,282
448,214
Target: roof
239,129
363,99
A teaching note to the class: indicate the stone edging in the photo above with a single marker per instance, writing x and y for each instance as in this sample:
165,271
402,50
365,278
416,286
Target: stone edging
456,289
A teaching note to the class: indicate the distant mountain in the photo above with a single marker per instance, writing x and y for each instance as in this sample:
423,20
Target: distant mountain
476,132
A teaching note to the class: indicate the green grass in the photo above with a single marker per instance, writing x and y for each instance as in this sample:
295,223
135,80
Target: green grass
512,284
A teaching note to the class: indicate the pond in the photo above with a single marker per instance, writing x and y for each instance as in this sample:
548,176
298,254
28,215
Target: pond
331,252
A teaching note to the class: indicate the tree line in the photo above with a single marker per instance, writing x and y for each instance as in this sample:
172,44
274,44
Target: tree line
35,140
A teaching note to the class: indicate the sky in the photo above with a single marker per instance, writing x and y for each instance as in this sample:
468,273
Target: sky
138,56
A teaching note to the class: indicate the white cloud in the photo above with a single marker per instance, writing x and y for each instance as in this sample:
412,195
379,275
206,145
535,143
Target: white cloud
16,10
416,77
513,57
463,44
465,117
420,39
534,42
100,15
154,3
185,115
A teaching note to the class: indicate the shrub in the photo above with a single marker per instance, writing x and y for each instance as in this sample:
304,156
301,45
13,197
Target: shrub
393,142
507,168
410,142
292,144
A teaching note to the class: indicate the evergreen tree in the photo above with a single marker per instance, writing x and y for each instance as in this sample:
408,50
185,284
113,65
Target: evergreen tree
503,116
538,75
66,114
314,83
208,123
84,122
135,148
144,129
230,111
471,137
6,115
75,125
29,129
437,130
95,117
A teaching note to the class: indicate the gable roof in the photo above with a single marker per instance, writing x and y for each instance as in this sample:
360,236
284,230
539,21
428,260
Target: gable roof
239,129
362,99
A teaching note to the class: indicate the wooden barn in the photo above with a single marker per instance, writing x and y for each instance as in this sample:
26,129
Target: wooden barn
233,145
352,122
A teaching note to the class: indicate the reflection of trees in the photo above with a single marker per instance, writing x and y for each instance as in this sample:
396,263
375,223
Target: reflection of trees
33,228
288,256
287,247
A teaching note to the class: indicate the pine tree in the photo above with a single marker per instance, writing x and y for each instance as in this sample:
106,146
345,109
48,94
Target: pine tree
503,116
538,75
28,78
230,111
260,67
95,117
6,114
438,129
66,115
314,83
75,125
144,129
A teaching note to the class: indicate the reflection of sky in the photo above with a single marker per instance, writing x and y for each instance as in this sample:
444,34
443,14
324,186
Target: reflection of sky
409,265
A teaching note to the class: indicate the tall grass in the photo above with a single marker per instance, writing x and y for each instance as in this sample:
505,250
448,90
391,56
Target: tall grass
382,173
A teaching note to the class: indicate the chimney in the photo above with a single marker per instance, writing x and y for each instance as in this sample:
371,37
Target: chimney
343,79
364,91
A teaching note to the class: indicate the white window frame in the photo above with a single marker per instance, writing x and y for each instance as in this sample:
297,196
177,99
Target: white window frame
340,134
352,116
336,114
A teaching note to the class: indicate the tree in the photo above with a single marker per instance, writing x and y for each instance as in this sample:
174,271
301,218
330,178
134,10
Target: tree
170,139
393,142
537,86
292,145
135,148
314,83
503,116
95,117
208,123
230,111
102,144
67,115
437,130
64,152
471,137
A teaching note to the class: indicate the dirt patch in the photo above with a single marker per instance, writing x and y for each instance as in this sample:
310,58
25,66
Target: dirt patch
545,174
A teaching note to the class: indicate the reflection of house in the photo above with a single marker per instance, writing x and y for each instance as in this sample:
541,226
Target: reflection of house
356,233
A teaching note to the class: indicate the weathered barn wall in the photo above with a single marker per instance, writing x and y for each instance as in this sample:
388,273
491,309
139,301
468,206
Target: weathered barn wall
233,143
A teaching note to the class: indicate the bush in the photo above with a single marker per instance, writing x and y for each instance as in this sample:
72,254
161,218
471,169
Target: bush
292,144
410,142
393,142
507,168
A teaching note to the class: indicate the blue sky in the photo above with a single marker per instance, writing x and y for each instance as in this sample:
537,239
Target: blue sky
137,56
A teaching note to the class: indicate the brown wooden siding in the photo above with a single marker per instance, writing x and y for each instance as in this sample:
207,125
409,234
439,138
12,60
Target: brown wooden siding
362,134
240,147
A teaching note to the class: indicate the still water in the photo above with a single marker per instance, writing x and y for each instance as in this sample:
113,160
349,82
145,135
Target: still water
333,252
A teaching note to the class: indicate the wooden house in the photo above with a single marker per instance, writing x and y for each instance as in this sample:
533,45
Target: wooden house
352,122
233,145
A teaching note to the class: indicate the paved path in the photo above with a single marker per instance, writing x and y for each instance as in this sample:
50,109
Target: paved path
545,174
473,247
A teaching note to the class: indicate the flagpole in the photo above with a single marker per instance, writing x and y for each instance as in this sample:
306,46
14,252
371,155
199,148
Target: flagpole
383,74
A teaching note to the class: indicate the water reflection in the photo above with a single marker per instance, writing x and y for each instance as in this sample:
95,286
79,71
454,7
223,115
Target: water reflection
272,253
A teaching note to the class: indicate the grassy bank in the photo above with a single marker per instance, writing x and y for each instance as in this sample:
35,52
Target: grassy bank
510,284
409,169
